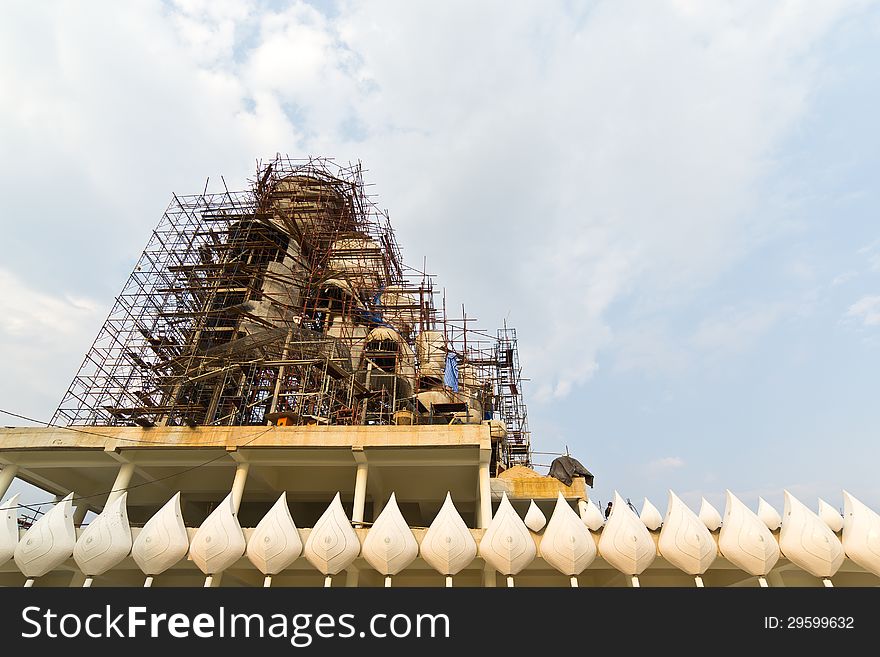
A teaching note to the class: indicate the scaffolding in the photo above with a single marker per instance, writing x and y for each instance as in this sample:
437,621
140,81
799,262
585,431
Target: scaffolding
289,304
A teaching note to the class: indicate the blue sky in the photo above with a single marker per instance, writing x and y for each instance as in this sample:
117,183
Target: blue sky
680,196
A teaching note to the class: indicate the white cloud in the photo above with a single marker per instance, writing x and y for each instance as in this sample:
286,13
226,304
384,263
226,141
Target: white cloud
867,310
25,312
840,279
736,329
42,340
651,349
871,252
666,463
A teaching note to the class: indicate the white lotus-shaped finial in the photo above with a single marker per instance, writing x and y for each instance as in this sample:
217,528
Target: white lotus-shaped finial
650,515
448,545
390,545
48,542
507,545
106,541
567,544
685,541
709,515
808,542
219,542
768,515
8,528
745,541
535,518
275,543
830,516
333,544
861,534
625,542
592,517
163,541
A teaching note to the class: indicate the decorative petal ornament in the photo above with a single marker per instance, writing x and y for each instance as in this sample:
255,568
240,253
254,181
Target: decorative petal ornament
650,516
592,517
535,518
567,544
625,542
507,545
390,545
861,534
48,542
219,542
106,541
275,543
8,528
163,541
332,544
448,545
830,516
745,540
709,515
807,541
768,515
685,542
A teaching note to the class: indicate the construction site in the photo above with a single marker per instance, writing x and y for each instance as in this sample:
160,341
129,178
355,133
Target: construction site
289,304
276,399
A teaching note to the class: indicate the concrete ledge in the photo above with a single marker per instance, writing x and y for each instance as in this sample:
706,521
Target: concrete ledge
231,438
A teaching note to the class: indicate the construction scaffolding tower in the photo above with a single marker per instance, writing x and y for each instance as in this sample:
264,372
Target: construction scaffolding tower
289,304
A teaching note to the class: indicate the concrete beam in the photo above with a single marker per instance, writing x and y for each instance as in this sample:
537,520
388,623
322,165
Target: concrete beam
231,437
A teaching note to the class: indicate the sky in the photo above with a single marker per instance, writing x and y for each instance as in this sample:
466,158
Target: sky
674,202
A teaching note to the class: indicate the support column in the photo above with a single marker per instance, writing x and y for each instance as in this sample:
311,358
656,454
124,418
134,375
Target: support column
360,488
241,473
774,578
80,514
77,579
123,479
352,575
7,474
484,510
488,576
478,496
485,514
360,494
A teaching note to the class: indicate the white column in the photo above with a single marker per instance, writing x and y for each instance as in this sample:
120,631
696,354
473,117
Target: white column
77,579
484,510
488,576
7,474
774,578
485,496
80,514
360,494
241,473
123,479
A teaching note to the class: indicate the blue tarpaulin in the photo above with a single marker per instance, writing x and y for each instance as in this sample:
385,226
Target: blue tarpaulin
450,376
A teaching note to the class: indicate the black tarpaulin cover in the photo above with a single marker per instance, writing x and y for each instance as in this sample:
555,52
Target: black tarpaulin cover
564,468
